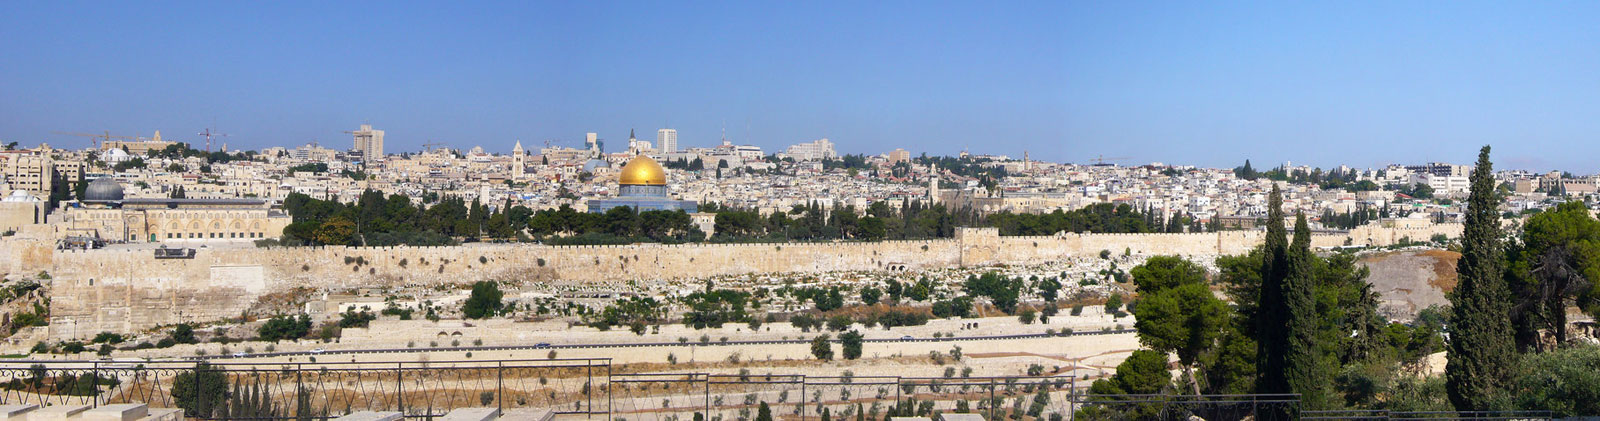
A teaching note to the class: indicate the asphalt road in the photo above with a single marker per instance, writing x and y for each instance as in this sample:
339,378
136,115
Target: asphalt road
643,345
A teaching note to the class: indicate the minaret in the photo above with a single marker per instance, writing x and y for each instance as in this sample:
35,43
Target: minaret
933,184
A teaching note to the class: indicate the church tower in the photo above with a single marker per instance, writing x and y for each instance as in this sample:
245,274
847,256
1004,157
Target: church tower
519,158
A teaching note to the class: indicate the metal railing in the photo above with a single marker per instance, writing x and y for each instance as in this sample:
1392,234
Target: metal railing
589,388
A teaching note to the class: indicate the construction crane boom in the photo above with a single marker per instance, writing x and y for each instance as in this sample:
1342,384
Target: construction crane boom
208,133
99,139
1101,159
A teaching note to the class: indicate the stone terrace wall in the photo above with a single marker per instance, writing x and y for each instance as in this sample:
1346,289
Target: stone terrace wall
128,291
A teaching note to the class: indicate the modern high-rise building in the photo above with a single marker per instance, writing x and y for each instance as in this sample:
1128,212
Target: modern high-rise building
369,141
816,150
667,140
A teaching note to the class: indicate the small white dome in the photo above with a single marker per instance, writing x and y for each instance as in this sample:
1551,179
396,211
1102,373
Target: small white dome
20,196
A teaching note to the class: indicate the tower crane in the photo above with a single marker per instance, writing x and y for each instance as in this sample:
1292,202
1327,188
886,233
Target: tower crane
208,133
432,145
1100,160
99,139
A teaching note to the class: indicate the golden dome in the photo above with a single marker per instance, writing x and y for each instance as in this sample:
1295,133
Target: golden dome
643,171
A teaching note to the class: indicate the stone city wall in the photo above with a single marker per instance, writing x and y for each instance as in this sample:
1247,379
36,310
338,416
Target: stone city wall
129,290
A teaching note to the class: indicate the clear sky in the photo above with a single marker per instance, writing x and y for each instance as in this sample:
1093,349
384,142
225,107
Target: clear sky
1362,83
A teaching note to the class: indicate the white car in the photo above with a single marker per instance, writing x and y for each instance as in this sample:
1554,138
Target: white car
907,338
318,351
240,354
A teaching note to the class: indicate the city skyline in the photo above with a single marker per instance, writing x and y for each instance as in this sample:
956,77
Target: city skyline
1206,85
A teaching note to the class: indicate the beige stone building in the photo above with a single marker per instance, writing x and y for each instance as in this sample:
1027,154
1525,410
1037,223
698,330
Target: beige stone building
139,147
29,171
106,215
21,209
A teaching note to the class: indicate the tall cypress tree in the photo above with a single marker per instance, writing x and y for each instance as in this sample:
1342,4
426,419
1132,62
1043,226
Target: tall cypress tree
1481,342
1271,321
1303,365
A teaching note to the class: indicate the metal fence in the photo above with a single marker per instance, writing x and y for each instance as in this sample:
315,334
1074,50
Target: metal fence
588,388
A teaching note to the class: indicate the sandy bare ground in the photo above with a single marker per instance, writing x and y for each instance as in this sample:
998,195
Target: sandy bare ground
1409,281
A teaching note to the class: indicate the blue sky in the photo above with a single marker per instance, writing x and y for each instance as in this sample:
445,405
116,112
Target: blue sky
1204,83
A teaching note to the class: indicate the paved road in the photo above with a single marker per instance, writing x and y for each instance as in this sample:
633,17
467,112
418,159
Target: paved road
648,344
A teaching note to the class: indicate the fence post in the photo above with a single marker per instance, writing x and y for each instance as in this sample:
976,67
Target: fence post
588,392
299,389
708,395
94,384
803,399
500,386
1072,397
400,386
610,402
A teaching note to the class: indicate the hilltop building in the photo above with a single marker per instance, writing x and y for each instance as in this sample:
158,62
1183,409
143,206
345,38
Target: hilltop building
369,141
667,140
816,150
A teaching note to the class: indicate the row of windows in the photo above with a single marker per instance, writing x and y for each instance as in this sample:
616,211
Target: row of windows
217,235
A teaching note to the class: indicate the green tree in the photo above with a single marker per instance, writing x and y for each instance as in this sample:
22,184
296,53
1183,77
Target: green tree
1272,347
1565,381
1303,361
764,412
1162,272
1177,313
285,327
200,391
821,348
850,342
1049,289
1551,269
1143,373
336,231
484,301
184,334
1481,349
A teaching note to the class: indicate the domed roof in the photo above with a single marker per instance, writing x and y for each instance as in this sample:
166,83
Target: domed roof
643,171
20,196
103,190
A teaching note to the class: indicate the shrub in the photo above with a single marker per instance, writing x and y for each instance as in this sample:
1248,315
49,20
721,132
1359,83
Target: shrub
821,348
484,302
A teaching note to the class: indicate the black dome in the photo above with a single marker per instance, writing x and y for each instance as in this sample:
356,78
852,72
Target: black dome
103,190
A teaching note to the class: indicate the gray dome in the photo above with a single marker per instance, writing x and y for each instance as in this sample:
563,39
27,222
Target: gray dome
103,190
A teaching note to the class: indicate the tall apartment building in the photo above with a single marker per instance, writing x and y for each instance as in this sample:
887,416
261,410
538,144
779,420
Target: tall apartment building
369,141
667,140
816,150
1441,169
30,172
